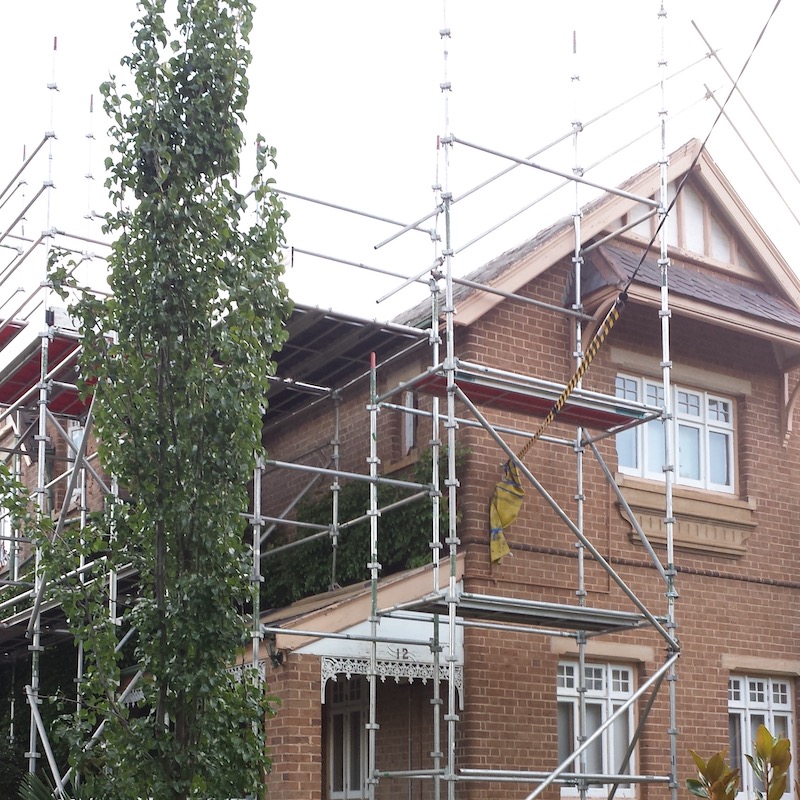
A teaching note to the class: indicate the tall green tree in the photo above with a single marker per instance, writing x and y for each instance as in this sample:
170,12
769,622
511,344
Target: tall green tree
178,358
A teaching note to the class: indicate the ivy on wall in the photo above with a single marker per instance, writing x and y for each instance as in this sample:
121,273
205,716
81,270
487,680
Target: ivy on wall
404,536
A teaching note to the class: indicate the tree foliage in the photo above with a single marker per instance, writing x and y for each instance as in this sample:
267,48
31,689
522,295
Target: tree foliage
178,358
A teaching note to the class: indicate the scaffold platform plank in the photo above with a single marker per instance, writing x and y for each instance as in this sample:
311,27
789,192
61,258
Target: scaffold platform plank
532,396
10,331
531,613
23,374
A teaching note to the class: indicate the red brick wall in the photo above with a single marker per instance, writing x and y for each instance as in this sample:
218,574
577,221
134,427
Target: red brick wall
727,605
294,734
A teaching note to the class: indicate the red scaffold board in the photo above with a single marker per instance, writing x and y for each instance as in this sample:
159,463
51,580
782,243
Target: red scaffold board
62,360
524,402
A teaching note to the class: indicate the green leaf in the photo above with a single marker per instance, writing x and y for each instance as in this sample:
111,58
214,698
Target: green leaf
764,742
714,768
197,311
781,757
777,787
696,787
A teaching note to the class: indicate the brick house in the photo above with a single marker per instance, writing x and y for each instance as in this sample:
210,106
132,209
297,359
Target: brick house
555,644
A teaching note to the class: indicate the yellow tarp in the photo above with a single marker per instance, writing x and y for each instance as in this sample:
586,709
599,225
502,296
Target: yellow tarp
503,509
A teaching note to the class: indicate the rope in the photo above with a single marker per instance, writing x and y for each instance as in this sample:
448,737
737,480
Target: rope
591,351
614,314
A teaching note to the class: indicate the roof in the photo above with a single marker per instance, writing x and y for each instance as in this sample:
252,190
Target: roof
325,350
487,274
777,300
612,265
328,350
337,610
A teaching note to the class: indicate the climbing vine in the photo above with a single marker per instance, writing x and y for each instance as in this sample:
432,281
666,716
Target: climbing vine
403,542
178,359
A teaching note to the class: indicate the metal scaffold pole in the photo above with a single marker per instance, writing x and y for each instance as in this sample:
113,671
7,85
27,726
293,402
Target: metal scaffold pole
41,509
436,543
374,571
256,578
34,629
336,488
577,306
669,415
451,483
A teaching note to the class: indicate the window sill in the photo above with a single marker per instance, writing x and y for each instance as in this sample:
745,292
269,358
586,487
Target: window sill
705,522
406,461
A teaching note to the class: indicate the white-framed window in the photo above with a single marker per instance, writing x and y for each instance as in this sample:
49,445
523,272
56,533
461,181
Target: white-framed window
691,225
75,433
408,439
755,700
348,714
607,686
704,436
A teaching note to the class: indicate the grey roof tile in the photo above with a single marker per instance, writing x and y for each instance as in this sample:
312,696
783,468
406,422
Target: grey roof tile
689,282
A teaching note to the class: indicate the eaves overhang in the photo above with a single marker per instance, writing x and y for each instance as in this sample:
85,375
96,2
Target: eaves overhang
336,611
719,317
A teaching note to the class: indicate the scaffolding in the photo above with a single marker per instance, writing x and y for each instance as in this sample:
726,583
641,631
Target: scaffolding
39,396
595,416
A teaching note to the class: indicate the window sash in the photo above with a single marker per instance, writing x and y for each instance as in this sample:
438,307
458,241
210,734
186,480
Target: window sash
703,437
346,741
607,686
754,701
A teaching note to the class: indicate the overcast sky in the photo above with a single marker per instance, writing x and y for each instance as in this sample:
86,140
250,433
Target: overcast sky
349,94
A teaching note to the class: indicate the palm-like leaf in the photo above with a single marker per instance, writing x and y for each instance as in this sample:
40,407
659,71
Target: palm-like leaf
35,788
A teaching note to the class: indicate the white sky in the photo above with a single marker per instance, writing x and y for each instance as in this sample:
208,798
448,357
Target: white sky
349,94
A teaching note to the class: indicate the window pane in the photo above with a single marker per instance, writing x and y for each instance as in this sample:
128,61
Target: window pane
780,726
594,753
594,679
620,681
626,449
656,456
719,458
627,388
755,721
627,456
780,693
688,452
566,676
720,242
755,702
757,690
693,232
719,410
566,732
689,404
337,760
735,738
621,737
355,750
